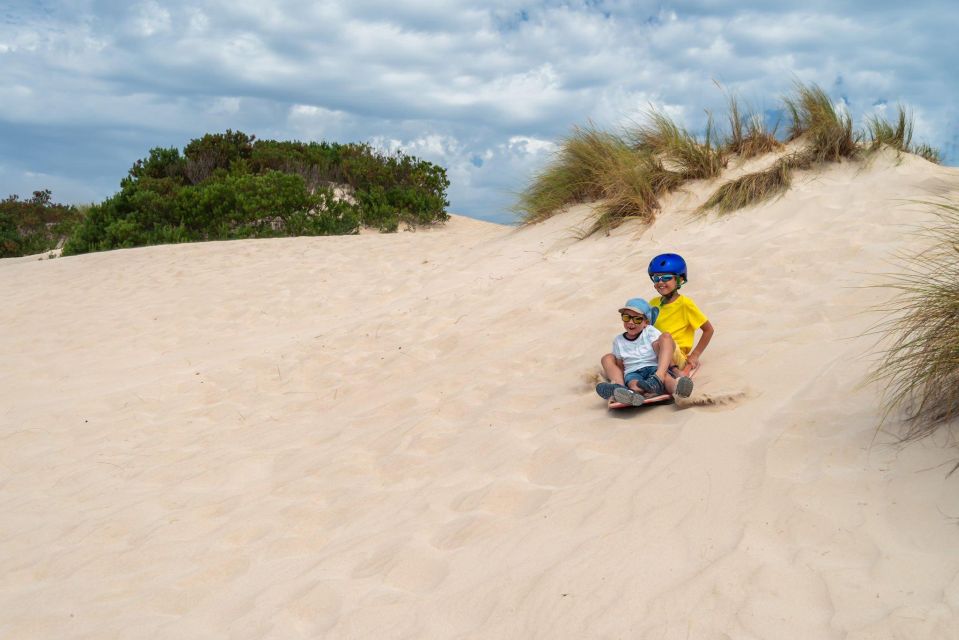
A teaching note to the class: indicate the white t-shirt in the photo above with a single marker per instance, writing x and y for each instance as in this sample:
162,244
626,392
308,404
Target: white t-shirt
637,353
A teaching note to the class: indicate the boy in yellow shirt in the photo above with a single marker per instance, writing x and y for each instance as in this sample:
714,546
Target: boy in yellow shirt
678,314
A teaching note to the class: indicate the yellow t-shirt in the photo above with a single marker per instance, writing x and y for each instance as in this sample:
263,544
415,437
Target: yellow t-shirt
680,318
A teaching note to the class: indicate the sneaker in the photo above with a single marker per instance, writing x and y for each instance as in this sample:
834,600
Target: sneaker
652,385
606,389
684,387
626,396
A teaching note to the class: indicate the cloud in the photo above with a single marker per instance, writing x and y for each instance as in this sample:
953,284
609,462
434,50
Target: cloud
480,87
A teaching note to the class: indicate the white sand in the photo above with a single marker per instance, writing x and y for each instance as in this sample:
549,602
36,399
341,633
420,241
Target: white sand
395,436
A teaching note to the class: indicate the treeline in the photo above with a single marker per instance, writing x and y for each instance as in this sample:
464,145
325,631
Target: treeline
231,185
35,225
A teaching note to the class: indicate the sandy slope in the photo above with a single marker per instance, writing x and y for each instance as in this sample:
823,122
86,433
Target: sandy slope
396,437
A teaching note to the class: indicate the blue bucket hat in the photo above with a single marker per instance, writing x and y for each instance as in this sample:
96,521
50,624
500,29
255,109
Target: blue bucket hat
638,305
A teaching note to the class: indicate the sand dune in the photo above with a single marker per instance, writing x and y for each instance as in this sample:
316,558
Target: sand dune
395,436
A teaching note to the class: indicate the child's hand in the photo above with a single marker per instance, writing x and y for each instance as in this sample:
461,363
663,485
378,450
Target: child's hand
693,360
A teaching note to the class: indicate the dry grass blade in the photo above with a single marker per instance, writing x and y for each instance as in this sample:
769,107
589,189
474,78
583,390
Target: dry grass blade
797,126
920,367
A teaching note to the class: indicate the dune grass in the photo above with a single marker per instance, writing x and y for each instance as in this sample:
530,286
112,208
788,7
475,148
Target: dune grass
881,132
627,191
829,135
590,165
679,150
750,189
898,135
928,152
920,367
828,128
748,134
629,172
574,175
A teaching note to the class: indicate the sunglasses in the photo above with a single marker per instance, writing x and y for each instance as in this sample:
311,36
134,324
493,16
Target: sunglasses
634,319
665,278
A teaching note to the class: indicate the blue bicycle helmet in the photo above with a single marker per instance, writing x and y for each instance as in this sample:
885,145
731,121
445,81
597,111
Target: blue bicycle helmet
668,263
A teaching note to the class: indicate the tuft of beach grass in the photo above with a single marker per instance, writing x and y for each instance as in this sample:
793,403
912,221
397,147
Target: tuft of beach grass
590,165
919,368
828,128
881,132
750,189
575,174
748,134
665,140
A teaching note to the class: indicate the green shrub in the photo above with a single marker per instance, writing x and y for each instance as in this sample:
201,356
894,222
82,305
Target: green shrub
35,225
232,185
216,151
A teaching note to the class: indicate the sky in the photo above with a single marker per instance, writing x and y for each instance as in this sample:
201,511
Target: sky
485,89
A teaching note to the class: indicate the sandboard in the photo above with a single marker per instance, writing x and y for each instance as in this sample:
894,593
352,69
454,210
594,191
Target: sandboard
660,399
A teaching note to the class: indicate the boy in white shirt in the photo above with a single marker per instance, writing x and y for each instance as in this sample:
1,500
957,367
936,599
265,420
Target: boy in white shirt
637,368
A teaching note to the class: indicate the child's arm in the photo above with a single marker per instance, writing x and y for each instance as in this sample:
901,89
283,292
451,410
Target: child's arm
708,331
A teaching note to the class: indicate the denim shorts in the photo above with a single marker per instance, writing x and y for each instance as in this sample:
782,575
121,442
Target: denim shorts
646,378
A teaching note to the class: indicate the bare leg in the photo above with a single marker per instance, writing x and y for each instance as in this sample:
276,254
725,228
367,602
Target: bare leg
676,384
612,369
664,352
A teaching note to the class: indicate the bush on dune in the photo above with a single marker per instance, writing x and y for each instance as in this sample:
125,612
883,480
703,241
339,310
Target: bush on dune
231,185
236,206
920,368
35,225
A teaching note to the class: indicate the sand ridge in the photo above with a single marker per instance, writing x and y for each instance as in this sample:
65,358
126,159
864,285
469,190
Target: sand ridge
391,436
